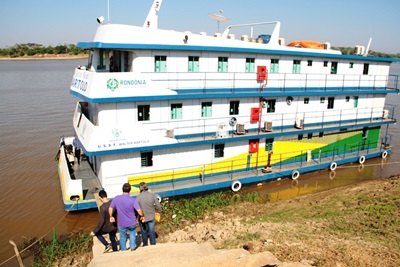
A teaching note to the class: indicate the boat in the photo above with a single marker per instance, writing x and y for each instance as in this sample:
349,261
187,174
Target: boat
191,113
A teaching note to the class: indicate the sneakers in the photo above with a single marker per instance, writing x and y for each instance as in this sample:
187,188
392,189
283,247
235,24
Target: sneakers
107,249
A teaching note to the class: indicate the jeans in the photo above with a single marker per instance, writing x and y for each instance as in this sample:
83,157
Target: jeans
122,237
113,239
148,230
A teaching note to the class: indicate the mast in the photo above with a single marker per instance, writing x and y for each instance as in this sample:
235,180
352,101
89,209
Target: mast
151,21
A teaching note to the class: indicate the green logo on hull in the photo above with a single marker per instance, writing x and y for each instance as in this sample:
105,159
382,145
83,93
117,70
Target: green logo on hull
112,84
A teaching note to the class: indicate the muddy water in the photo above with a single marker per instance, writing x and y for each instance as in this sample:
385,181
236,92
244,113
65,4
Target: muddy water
36,110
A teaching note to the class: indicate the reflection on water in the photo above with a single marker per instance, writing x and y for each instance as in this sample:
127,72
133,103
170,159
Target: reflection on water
36,110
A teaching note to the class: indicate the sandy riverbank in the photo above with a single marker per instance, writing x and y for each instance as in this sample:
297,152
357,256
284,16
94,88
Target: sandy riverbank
357,225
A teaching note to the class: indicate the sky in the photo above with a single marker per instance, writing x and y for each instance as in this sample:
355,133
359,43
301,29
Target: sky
340,22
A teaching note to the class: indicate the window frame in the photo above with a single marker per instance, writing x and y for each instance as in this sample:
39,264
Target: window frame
206,109
145,109
146,159
234,107
176,111
219,150
193,64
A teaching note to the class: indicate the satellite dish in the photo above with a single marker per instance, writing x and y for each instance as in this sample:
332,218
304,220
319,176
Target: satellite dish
218,17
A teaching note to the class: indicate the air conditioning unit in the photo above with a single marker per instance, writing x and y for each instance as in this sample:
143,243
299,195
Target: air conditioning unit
385,113
222,131
170,133
268,126
299,123
240,129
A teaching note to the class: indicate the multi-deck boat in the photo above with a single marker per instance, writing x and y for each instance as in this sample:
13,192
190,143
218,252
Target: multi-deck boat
189,112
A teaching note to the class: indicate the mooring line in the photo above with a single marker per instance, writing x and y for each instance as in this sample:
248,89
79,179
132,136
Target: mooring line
40,238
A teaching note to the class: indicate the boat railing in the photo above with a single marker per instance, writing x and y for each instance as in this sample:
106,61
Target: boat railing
205,127
255,163
208,82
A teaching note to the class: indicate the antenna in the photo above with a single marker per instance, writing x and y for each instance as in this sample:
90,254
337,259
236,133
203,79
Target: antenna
369,44
152,17
108,11
218,17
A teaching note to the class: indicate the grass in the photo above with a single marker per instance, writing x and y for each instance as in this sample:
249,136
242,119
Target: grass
176,212
46,252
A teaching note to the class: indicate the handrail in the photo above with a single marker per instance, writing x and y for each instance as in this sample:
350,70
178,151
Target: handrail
298,157
276,81
280,121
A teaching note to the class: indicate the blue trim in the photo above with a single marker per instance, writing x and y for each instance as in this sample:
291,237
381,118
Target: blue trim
91,45
240,93
295,132
80,205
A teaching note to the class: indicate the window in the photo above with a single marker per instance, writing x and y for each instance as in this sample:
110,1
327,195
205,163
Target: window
325,63
146,159
309,63
250,63
234,107
176,111
222,64
271,105
334,66
355,101
160,63
206,109
219,150
269,144
101,65
351,65
366,69
193,64
274,65
143,112
347,98
296,66
306,100
331,101
322,100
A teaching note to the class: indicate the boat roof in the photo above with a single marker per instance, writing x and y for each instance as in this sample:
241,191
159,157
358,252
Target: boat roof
150,37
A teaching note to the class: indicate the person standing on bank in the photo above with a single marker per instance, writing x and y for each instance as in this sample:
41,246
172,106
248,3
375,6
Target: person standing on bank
148,202
125,206
105,226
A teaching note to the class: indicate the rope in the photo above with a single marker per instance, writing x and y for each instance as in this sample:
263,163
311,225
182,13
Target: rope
40,238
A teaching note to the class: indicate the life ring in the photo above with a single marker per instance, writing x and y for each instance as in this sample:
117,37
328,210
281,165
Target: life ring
333,166
236,186
384,154
361,159
158,198
295,175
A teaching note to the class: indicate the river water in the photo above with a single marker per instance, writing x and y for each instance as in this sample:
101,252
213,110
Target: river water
36,110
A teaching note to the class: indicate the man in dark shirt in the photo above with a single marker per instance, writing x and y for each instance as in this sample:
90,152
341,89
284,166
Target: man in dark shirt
105,226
